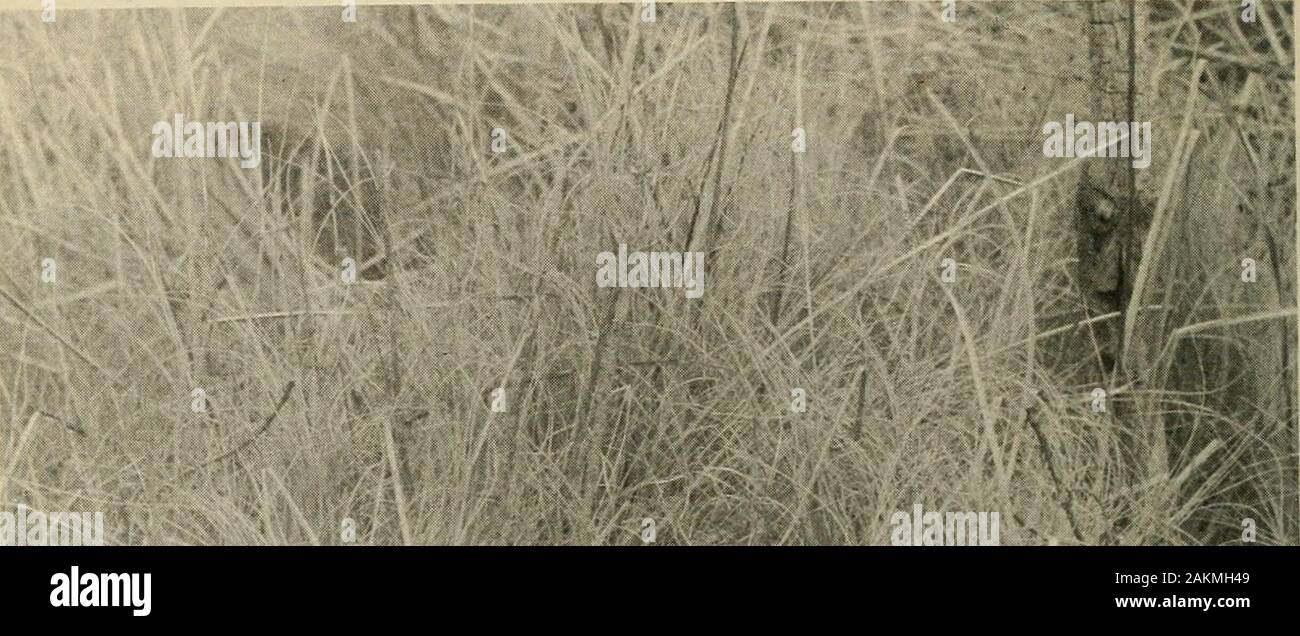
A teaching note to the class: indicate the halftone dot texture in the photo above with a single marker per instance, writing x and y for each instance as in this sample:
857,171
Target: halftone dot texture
476,269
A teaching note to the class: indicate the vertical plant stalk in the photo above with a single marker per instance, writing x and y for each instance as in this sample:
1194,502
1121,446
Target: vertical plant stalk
859,420
1153,245
399,489
1062,493
1130,172
783,265
1101,270
1131,207
1105,242
1130,213
714,227
801,209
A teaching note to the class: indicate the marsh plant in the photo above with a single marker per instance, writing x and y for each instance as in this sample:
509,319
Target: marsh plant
388,332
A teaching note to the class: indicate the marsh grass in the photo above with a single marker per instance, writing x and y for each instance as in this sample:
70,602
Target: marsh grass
823,274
